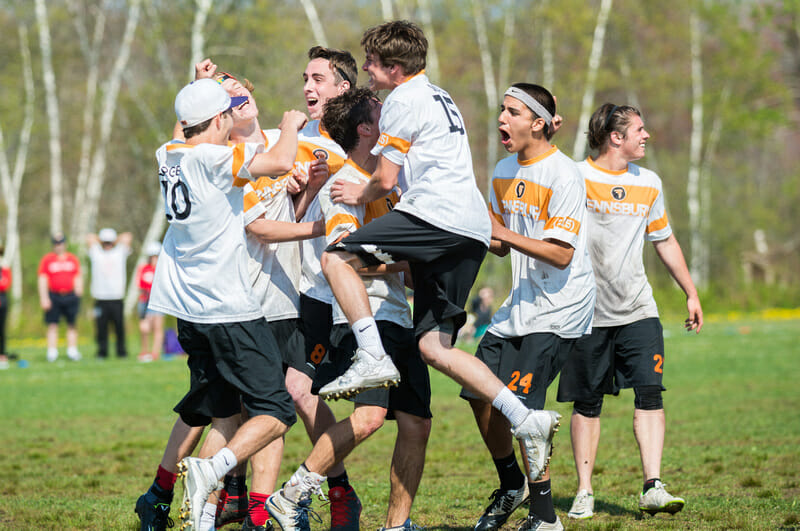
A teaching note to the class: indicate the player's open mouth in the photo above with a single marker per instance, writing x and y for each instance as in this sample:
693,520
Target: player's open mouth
505,138
311,102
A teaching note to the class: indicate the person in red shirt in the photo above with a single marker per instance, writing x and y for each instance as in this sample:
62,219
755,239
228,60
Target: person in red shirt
151,323
60,291
5,284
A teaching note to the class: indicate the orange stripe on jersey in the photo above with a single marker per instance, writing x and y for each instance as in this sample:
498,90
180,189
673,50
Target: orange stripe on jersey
178,145
566,223
251,199
623,200
377,208
398,143
340,219
307,152
238,162
658,224
518,196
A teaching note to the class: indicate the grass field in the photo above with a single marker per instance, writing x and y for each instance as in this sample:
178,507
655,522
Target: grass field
81,441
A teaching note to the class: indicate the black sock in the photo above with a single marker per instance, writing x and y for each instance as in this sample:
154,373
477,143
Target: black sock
649,484
339,481
542,501
511,477
236,485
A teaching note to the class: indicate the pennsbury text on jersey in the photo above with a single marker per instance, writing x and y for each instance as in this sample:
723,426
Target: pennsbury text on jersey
615,207
519,206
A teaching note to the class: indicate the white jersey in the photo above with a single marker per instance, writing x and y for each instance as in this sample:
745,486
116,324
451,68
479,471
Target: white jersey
274,267
387,294
543,198
202,275
422,130
108,271
623,208
314,143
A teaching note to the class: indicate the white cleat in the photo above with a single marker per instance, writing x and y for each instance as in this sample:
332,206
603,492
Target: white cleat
536,435
658,500
365,373
290,516
199,481
582,506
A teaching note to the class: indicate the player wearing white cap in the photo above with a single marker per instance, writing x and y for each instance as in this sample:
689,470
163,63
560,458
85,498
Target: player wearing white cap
625,205
202,278
537,202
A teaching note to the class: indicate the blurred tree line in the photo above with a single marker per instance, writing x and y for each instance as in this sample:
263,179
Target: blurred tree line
88,85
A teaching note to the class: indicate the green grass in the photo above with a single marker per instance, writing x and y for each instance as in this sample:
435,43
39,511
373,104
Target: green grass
81,441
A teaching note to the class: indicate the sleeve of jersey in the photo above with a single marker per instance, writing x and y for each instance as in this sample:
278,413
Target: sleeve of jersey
494,207
566,211
398,130
253,207
658,227
339,218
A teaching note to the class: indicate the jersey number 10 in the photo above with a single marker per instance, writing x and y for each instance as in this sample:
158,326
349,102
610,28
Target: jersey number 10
176,209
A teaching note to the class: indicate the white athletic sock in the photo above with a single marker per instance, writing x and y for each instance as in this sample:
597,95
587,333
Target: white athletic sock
208,516
368,338
223,462
52,353
510,406
302,484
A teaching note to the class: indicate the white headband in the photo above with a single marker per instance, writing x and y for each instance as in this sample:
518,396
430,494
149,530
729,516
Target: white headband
531,103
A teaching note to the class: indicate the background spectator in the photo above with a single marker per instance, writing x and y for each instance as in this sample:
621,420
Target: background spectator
60,290
5,284
108,254
481,306
151,322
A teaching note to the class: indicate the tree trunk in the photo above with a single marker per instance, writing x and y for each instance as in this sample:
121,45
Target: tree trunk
579,151
386,10
489,86
52,108
426,17
316,25
11,182
696,242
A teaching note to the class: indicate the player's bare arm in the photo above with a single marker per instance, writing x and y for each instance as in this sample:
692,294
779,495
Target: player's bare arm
44,294
318,173
550,251
280,159
670,253
273,231
383,181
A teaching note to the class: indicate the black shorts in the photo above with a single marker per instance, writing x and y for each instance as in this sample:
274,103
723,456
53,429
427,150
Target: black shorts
289,338
316,319
443,265
232,365
527,364
62,304
412,395
614,358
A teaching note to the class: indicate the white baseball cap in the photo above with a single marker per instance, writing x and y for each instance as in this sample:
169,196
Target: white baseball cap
107,235
152,249
202,100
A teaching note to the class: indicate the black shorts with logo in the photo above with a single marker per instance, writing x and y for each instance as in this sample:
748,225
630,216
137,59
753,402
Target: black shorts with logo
316,319
443,265
232,365
527,365
412,395
614,358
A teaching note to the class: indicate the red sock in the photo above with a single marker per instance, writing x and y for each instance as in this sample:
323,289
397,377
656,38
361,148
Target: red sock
165,479
258,508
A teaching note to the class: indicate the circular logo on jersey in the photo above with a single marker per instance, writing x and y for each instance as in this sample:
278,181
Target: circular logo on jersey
618,193
320,154
520,189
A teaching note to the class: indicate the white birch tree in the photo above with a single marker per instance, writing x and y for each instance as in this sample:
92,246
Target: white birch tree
53,120
587,102
696,242
426,17
316,25
11,179
489,83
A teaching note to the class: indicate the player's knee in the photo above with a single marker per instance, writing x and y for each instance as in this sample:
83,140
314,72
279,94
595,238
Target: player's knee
367,420
590,409
648,398
432,349
416,428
